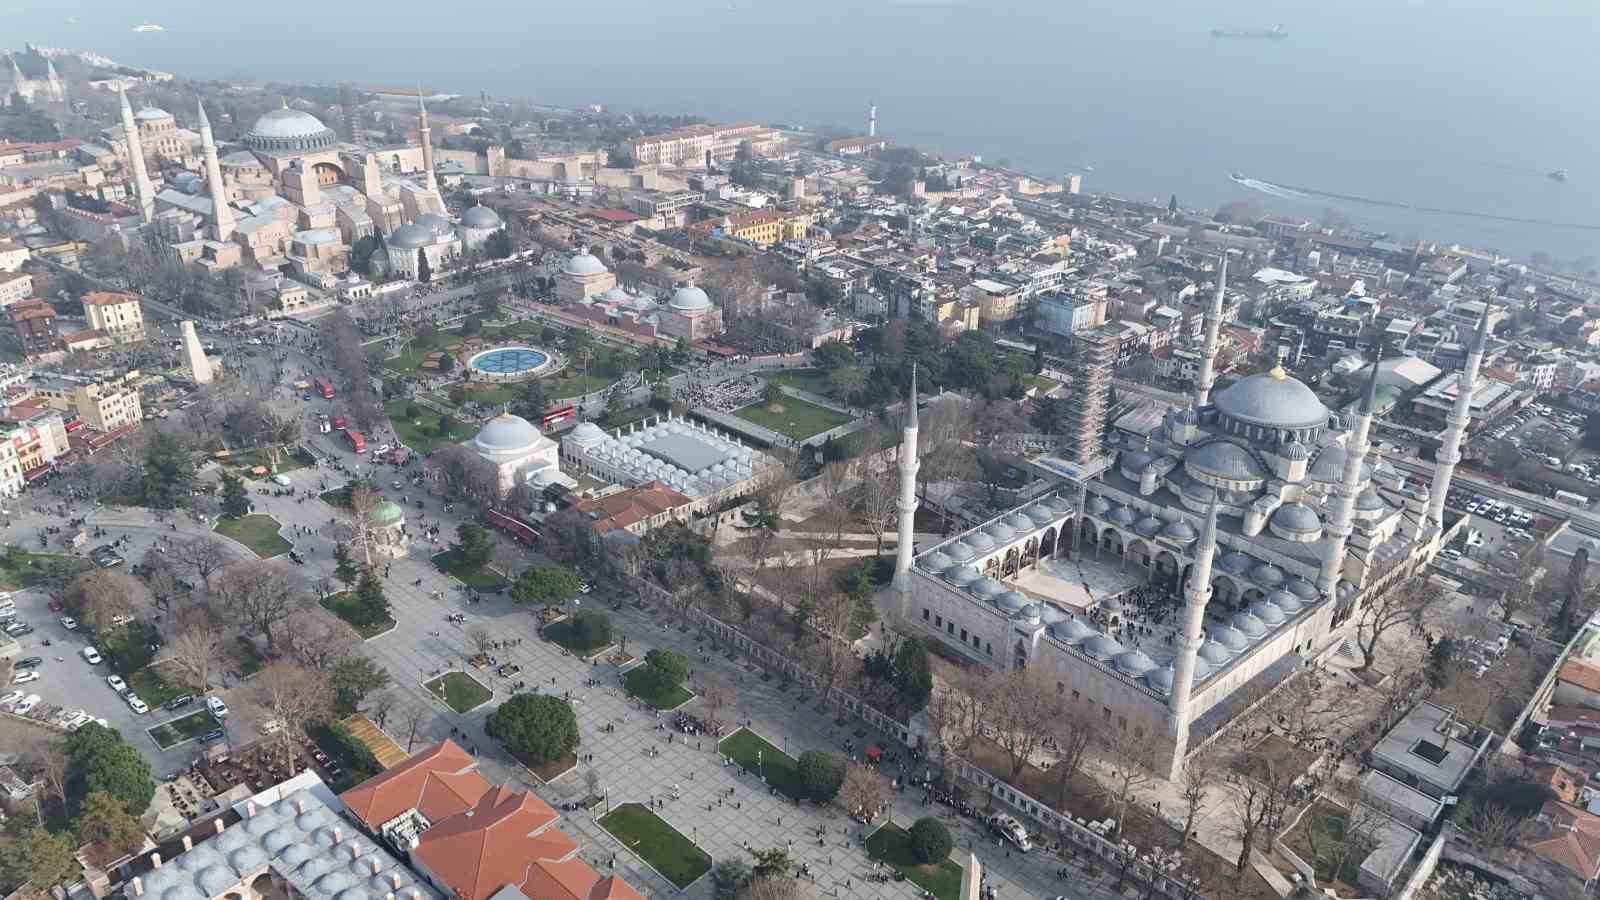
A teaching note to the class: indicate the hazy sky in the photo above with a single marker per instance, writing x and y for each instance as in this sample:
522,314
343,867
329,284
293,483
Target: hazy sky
1453,104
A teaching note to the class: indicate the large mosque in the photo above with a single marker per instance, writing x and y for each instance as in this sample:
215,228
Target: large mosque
1261,518
295,198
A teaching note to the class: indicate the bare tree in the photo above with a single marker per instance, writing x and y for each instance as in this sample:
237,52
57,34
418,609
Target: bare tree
591,780
259,595
104,600
877,502
1196,785
319,641
1491,824
364,501
203,555
864,791
481,638
52,764
1261,793
1073,732
379,708
1130,761
834,482
1400,605
196,650
295,696
411,718
1022,710
774,887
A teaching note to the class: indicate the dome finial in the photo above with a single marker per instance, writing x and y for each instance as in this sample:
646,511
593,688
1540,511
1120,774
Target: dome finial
1278,372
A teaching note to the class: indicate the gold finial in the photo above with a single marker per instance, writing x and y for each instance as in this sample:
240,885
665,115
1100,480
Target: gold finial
1278,372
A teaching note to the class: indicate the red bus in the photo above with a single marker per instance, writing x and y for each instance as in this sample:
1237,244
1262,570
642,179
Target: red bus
557,415
357,442
517,528
325,387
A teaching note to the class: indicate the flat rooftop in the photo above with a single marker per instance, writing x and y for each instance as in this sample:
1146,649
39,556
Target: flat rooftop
1421,744
686,451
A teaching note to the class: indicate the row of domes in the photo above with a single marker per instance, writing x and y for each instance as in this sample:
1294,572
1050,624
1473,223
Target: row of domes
998,533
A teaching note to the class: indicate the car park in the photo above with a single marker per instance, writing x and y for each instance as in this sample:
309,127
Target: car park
117,684
137,705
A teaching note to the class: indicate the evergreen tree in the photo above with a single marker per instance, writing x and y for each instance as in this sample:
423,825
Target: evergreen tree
369,597
424,269
345,568
235,503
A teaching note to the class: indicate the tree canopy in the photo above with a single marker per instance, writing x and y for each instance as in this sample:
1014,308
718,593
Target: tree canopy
822,774
536,727
545,584
99,760
930,840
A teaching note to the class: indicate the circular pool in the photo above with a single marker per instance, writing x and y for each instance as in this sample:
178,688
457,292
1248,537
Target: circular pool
510,363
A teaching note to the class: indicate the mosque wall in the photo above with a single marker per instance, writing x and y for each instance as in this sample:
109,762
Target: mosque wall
471,162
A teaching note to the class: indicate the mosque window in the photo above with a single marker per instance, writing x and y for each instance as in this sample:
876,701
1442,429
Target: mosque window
988,648
938,621
924,614
950,628
963,635
1061,688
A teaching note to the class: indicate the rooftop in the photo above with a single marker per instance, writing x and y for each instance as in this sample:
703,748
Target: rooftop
1427,744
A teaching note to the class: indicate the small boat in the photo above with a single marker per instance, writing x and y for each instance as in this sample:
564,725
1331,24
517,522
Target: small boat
141,29
1558,175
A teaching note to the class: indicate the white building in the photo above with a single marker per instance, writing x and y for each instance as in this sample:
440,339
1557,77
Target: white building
519,453
703,465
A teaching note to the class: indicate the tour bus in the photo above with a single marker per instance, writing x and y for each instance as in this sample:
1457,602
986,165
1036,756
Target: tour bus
1573,499
557,415
357,442
325,387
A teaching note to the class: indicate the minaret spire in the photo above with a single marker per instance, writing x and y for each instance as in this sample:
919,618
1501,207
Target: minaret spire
141,176
425,135
1444,461
1213,318
906,508
1340,521
1196,594
221,213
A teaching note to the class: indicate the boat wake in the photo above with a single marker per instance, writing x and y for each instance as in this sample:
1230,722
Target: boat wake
1295,192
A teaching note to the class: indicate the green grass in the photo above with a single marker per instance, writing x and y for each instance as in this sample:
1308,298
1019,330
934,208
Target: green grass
170,734
151,687
460,691
561,634
629,416
665,700
779,768
343,605
422,433
798,420
20,569
492,394
479,578
893,845
258,532
245,461
677,858
813,380
559,386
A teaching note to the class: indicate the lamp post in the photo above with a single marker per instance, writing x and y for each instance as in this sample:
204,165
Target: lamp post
761,770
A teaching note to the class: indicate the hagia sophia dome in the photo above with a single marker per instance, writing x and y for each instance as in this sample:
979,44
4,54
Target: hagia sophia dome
288,129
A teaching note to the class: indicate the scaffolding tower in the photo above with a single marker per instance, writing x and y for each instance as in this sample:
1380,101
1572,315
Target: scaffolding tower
1093,352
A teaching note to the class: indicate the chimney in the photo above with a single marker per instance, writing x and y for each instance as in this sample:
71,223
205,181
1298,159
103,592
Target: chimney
355,850
394,879
249,809
138,886
375,865
155,860
338,835
416,894
188,843
300,805
217,824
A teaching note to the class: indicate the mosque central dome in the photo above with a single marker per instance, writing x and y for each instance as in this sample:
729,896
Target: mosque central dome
1273,400
289,129
507,434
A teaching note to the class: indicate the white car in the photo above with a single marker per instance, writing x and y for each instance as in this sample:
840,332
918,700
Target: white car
217,707
12,697
117,684
27,704
91,656
137,705
281,480
25,676
69,623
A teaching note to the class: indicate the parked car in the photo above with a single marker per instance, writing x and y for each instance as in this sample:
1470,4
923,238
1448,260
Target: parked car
217,707
117,684
215,734
27,704
69,623
91,656
18,629
25,676
28,662
281,480
178,702
137,705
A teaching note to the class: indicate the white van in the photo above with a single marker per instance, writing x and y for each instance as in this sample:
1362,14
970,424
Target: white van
91,656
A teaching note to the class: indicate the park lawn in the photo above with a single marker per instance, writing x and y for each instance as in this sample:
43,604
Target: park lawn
151,687
780,769
562,635
479,578
893,845
798,419
422,434
813,380
460,691
492,394
343,605
629,416
408,360
245,461
258,532
665,700
170,734
559,386
22,569
677,858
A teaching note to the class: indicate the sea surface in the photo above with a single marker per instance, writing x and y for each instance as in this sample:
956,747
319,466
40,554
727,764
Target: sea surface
1456,105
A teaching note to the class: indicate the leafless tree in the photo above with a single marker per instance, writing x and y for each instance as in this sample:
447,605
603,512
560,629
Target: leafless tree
160,576
320,640
259,595
834,483
364,500
774,887
1491,824
202,555
1073,732
1400,605
102,599
481,638
51,759
864,791
1197,785
195,650
1261,793
295,696
1130,760
877,502
411,718
379,707
591,780
1022,709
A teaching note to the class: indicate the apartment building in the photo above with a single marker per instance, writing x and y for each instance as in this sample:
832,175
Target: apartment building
120,316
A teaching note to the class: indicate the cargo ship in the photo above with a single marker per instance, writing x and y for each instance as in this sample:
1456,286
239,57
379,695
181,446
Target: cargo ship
1276,31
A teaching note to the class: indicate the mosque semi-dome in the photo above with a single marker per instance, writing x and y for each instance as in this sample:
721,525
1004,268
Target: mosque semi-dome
1225,460
289,129
1272,400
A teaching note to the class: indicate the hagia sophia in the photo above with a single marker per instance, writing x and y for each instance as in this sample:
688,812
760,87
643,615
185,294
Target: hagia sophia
292,195
1214,556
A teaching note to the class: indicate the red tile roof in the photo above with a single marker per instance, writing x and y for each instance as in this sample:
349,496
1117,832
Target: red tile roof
1569,838
438,782
627,508
614,215
1582,674
107,298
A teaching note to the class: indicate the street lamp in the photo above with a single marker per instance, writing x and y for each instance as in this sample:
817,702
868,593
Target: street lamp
760,768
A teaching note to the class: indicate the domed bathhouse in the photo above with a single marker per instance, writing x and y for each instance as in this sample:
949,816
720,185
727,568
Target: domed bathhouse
708,466
518,453
477,224
1256,517
582,276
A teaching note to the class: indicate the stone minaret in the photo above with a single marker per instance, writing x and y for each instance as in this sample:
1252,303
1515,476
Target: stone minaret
1349,487
872,120
427,142
19,85
58,88
221,213
907,507
1444,462
1208,360
1196,594
141,177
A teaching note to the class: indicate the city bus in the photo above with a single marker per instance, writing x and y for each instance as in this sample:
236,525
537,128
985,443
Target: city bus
356,441
325,387
557,415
